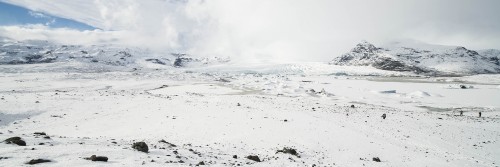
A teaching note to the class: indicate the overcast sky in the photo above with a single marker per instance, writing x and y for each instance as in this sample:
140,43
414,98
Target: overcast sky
284,30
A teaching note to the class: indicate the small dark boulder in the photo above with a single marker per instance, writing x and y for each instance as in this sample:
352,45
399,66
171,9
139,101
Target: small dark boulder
200,163
40,133
15,140
254,158
140,146
376,159
97,158
235,156
287,150
37,161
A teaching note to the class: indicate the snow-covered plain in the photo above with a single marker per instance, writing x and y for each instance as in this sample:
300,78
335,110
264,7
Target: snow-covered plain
331,115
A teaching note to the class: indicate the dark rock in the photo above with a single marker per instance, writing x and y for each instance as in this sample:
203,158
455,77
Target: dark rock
140,146
37,161
376,159
287,150
200,163
254,158
97,158
15,140
40,133
169,144
235,156
352,106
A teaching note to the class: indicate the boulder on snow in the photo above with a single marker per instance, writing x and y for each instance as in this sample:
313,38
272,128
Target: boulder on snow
287,150
37,161
15,140
254,158
40,133
376,159
140,146
97,158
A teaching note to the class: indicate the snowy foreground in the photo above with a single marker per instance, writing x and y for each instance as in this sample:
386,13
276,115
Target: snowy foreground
220,118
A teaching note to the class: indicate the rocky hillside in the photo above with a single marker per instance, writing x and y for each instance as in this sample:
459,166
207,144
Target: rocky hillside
422,58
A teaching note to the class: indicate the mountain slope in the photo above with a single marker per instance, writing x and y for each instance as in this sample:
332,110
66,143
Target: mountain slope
421,58
35,52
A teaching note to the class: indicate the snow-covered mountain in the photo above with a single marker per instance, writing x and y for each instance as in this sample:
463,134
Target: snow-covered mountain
35,51
422,58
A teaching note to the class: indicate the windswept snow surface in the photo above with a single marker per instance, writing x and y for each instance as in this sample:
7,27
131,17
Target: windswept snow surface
331,115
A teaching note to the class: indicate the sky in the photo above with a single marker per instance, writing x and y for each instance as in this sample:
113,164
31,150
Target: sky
15,15
268,30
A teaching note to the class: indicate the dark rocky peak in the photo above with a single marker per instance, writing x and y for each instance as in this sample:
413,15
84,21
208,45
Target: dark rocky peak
365,47
181,60
466,51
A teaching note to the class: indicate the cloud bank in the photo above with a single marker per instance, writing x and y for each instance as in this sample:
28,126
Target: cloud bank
271,30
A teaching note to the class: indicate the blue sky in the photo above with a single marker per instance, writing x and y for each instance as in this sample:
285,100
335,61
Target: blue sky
15,15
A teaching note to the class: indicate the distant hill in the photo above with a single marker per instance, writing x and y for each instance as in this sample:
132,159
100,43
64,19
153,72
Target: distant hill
422,58
35,52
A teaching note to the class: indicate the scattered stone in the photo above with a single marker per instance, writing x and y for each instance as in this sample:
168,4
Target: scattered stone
37,101
235,156
352,106
254,158
40,133
238,104
15,140
140,146
285,120
376,159
170,144
384,116
200,163
46,137
37,161
97,158
287,150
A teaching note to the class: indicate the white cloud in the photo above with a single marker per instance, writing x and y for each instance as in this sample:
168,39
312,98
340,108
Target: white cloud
283,30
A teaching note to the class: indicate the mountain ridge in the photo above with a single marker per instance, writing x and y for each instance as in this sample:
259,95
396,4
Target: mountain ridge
422,58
